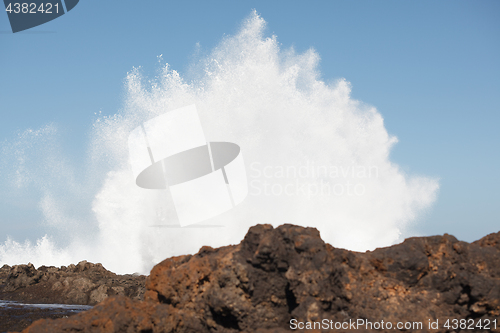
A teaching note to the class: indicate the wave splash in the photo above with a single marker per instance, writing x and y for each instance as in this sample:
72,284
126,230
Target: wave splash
314,157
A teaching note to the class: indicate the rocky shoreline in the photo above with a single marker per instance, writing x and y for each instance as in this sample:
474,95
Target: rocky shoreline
276,277
85,284
15,316
82,284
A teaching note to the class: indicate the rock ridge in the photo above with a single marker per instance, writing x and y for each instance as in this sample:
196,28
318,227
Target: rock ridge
276,275
85,283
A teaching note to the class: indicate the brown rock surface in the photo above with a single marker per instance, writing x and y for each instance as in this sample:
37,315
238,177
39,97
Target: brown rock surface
84,283
277,275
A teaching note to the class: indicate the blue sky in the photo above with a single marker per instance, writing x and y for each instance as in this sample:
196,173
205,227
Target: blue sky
431,69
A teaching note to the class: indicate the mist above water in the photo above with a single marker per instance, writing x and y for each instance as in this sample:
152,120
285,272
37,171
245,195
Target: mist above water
314,157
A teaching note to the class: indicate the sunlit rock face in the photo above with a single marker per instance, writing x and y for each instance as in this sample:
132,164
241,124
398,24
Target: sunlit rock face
85,284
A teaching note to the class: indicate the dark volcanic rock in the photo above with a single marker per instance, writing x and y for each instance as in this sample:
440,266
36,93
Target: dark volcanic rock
277,275
85,283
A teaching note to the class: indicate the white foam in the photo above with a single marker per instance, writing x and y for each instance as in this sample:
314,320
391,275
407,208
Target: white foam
274,105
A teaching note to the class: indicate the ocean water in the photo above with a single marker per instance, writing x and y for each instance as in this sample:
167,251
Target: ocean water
314,157
67,307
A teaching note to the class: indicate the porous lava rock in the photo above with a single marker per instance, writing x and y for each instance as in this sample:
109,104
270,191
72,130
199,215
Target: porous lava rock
85,283
284,275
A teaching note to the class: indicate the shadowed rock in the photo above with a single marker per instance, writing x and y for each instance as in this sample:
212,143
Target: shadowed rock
277,275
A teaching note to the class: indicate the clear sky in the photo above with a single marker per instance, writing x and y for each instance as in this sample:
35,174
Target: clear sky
431,68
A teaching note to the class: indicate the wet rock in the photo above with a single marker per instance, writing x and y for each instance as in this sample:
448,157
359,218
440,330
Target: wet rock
114,314
16,317
276,275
